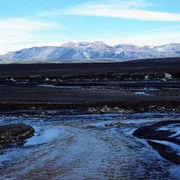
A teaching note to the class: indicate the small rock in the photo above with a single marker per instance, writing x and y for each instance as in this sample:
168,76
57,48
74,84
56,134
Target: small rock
105,109
146,77
163,79
167,76
109,125
90,126
92,110
47,79
53,80
33,107
13,80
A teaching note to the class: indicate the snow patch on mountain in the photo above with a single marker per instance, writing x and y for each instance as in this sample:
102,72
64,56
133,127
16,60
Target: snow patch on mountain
92,51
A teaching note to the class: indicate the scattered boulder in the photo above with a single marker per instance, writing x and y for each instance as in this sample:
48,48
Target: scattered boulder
53,80
14,133
12,79
167,76
146,77
164,79
105,109
47,79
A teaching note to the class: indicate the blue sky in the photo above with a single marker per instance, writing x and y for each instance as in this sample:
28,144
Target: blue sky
25,23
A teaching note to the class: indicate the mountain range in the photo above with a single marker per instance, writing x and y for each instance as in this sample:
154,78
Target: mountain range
90,51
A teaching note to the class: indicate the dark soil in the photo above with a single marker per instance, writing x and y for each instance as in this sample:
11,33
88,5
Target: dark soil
14,133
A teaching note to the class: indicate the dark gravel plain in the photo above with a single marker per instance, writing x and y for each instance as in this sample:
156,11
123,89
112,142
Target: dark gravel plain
139,84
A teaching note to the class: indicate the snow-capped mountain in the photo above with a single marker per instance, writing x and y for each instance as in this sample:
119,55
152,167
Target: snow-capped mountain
87,51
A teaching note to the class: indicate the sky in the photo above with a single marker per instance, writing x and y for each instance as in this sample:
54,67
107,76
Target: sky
29,23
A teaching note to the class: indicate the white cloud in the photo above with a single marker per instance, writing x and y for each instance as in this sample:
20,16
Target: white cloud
116,4
16,32
25,24
126,9
100,5
133,9
128,14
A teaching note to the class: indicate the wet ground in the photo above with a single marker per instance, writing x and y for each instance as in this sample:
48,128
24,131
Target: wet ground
86,146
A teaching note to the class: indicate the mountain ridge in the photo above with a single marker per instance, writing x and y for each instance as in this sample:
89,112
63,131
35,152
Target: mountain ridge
91,51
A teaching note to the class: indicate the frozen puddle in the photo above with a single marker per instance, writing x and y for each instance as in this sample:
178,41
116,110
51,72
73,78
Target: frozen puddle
174,128
174,147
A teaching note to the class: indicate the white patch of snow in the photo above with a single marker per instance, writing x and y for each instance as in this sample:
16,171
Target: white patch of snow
94,50
86,55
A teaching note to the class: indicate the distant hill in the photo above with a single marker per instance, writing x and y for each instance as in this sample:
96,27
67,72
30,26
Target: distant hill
90,52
